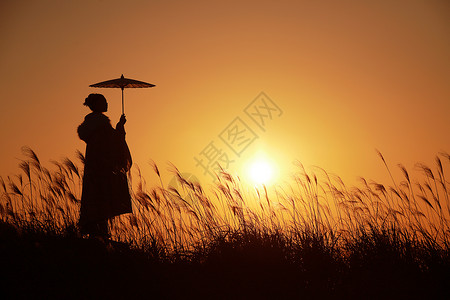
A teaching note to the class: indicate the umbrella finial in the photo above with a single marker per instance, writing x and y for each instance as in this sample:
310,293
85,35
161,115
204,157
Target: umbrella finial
121,76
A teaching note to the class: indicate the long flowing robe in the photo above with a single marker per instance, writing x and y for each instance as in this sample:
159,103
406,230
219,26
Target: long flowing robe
105,191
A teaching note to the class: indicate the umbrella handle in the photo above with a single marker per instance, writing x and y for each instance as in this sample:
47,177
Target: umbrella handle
123,109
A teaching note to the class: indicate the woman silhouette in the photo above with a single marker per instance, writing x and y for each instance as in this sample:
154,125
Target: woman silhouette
105,186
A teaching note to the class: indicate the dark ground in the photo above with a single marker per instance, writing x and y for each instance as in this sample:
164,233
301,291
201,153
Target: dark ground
46,266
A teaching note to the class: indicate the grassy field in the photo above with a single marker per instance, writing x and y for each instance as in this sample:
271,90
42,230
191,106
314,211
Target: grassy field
316,238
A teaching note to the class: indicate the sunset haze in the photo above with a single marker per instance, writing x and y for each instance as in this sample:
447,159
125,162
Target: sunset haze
348,77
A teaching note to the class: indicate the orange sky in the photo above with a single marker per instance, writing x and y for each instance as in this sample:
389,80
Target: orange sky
349,77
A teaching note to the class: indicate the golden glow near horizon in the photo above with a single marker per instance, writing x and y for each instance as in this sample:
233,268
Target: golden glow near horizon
260,172
260,169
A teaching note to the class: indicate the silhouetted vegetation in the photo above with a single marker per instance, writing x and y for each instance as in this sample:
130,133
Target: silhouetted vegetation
316,238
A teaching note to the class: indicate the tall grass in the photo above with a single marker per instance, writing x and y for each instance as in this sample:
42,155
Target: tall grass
40,199
317,211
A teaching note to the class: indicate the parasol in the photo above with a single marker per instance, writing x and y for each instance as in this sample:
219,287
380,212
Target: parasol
122,83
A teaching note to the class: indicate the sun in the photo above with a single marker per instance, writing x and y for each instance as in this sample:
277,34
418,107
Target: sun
261,171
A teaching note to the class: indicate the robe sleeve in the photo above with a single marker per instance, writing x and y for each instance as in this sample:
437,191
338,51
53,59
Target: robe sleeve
83,131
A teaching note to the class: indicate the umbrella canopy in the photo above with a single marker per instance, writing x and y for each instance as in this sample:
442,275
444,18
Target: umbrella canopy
122,83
